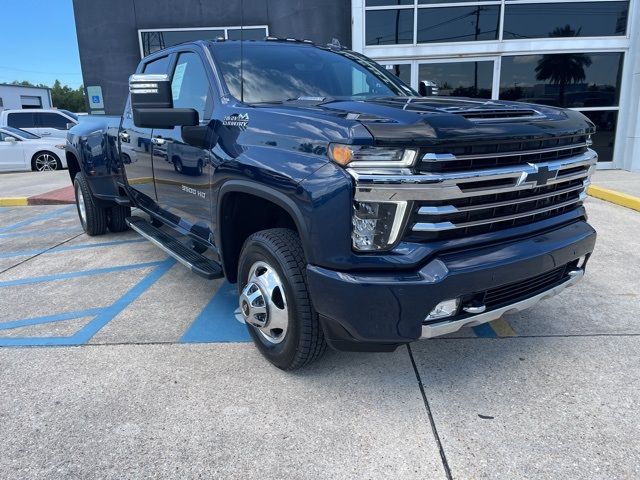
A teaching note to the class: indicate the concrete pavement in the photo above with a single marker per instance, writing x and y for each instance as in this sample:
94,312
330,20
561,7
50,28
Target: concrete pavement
153,375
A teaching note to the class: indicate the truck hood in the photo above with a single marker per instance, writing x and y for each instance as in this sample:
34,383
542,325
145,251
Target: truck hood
433,120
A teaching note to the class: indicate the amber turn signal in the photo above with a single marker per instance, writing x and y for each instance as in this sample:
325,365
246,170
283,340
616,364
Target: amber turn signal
341,154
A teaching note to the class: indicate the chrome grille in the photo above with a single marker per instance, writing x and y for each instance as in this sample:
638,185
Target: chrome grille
450,158
446,205
486,213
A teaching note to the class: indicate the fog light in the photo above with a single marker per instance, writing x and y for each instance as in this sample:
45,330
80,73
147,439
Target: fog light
581,261
446,308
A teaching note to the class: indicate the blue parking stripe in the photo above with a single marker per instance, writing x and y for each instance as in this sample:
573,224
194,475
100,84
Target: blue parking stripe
104,315
37,218
484,331
81,273
27,253
90,312
217,322
109,313
42,233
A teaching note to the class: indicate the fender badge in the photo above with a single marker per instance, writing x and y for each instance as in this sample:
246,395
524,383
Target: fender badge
236,120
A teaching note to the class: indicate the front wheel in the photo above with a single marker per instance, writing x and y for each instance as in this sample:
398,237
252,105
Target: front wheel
274,299
93,218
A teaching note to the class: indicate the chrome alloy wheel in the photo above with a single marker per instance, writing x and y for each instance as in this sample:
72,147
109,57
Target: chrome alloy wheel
81,207
46,162
263,303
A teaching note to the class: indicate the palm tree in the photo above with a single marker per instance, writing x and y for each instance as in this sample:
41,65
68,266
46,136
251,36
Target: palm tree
563,68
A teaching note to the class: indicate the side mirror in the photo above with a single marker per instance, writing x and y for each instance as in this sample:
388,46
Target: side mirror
200,136
150,91
427,88
70,125
152,103
10,139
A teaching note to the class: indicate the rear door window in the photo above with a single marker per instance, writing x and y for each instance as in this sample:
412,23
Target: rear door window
21,120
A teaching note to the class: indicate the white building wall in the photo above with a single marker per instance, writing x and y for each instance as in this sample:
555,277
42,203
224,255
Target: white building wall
11,96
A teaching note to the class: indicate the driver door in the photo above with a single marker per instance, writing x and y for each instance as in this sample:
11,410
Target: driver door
182,172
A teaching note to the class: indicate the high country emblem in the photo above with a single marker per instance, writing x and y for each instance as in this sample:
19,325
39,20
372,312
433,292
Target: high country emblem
236,120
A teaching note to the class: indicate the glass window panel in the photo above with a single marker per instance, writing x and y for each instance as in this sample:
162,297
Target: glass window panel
458,24
563,79
380,3
154,41
160,65
388,27
459,79
190,84
21,120
247,33
52,120
402,71
432,2
589,19
604,138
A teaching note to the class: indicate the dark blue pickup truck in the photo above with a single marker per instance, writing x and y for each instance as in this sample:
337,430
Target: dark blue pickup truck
349,210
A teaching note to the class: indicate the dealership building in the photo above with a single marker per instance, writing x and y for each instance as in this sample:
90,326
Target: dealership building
583,55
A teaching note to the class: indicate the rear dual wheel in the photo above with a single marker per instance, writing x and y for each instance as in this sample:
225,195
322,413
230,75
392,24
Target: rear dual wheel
95,219
274,299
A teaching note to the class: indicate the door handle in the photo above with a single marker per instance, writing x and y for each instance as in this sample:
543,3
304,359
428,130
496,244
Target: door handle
124,136
45,133
158,141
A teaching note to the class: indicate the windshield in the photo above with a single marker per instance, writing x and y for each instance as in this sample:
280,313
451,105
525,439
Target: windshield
71,114
20,133
276,73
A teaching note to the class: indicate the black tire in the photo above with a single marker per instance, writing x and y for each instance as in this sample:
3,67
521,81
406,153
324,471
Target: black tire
177,165
45,158
304,340
94,221
116,218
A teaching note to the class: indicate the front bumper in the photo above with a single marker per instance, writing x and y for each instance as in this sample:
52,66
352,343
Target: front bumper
378,311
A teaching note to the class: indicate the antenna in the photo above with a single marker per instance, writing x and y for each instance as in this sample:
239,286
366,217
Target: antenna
242,51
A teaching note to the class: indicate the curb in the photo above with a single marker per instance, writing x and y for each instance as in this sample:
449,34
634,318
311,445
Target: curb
622,199
61,196
14,201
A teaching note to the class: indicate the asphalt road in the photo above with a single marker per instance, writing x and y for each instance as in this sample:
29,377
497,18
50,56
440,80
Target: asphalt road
119,363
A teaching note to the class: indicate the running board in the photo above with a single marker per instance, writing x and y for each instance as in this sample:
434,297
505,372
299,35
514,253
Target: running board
198,264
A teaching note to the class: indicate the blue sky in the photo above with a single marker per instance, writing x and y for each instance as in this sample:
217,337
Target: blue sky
39,44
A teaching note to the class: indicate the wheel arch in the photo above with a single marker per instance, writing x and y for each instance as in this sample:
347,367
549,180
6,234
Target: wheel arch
72,164
236,197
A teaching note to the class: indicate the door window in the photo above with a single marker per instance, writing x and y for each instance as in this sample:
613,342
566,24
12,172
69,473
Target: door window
160,65
190,85
51,120
21,120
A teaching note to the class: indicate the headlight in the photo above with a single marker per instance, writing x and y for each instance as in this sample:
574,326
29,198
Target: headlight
376,225
366,156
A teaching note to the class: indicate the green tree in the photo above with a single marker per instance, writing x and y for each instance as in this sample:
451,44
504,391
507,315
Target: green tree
563,68
68,98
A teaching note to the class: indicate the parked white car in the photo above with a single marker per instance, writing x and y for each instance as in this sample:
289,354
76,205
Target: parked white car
21,150
45,122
